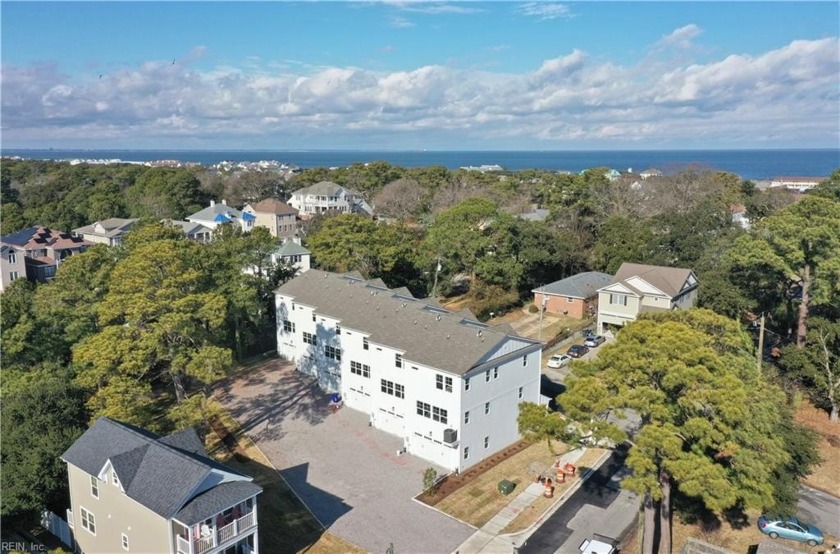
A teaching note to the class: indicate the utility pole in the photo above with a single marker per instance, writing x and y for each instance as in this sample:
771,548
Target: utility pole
542,309
760,353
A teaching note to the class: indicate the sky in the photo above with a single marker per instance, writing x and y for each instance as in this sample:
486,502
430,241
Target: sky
407,75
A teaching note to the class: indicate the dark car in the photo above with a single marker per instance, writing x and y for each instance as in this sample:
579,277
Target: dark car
577,350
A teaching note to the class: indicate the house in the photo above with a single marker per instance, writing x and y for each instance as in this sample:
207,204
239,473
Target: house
194,231
612,174
325,197
278,217
13,265
44,249
218,214
134,491
575,296
652,172
108,231
739,216
447,384
638,288
800,184
290,253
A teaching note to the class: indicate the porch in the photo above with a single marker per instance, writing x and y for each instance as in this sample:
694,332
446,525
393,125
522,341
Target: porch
221,531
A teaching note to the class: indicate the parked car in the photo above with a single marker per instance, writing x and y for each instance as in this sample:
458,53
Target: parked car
594,341
559,360
790,528
577,350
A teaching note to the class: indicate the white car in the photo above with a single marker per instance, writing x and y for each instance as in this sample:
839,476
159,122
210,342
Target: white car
559,360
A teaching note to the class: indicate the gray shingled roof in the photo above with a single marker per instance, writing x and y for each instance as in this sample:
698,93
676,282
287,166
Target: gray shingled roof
427,334
113,227
162,474
273,206
210,212
291,248
188,227
221,497
324,188
582,285
669,280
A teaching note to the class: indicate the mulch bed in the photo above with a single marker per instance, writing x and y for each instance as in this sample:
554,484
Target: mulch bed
452,482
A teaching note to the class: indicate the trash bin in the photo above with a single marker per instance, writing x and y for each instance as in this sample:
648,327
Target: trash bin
506,487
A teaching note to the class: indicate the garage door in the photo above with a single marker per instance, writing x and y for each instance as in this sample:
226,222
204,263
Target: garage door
390,422
358,399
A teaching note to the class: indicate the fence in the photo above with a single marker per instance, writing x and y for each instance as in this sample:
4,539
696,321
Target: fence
58,527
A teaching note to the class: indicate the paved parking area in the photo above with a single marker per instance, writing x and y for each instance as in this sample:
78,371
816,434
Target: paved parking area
349,474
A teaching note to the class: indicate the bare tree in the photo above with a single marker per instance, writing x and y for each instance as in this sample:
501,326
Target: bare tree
400,199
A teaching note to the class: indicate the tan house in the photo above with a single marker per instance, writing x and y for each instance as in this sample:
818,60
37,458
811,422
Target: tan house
12,266
134,491
638,288
327,196
575,296
108,231
278,217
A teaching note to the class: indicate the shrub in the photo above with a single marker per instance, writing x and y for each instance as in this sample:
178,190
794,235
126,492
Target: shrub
533,309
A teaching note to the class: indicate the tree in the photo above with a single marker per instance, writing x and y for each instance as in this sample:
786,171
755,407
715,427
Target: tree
830,188
621,239
539,423
40,420
401,199
802,242
819,363
707,420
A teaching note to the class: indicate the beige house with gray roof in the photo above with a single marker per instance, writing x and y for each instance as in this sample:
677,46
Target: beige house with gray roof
638,288
327,196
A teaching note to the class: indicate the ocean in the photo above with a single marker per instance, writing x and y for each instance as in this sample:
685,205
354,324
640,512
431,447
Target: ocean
748,164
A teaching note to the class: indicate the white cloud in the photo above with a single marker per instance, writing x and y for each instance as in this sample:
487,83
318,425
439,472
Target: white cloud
421,6
399,22
545,10
682,37
786,96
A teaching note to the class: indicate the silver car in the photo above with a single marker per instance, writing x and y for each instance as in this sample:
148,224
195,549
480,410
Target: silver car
594,341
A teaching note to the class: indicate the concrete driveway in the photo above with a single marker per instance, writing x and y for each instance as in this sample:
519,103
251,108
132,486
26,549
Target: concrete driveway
347,473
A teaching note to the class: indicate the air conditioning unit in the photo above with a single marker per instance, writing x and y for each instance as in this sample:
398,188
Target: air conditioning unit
450,436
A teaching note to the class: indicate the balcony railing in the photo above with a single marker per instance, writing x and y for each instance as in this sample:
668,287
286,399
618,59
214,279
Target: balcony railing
220,536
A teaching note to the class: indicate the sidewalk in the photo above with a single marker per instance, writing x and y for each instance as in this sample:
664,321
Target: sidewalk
487,540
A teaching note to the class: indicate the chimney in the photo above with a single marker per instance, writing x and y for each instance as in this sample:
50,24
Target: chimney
212,203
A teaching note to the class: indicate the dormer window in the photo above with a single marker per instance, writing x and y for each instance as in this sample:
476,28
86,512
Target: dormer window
114,479
94,486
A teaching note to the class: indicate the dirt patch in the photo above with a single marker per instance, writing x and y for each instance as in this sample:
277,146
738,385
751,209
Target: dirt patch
824,476
228,440
451,483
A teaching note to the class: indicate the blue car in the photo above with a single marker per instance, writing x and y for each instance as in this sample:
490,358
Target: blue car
790,528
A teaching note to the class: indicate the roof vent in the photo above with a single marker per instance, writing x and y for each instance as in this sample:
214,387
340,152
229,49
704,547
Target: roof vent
404,304
478,333
447,337
438,317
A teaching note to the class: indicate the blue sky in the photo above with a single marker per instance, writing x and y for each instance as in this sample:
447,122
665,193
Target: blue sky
436,75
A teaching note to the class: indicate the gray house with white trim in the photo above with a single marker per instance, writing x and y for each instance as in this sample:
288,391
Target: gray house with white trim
134,491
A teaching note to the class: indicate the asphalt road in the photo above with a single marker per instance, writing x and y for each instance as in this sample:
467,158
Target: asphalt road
820,509
584,512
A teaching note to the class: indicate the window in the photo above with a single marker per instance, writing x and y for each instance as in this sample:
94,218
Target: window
313,316
569,300
618,299
424,409
360,369
94,486
309,338
486,442
520,393
12,258
337,329
365,344
487,376
439,415
495,373
288,326
466,452
88,521
486,408
444,383
466,383
125,541
467,417
114,479
394,389
334,353
524,360
13,275
398,360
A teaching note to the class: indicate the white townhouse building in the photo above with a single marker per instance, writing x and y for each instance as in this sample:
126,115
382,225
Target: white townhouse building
448,384
327,196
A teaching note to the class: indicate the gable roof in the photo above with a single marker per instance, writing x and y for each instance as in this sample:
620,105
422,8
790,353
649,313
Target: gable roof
273,206
424,332
669,280
161,473
220,213
109,228
291,248
582,285
324,188
34,238
188,227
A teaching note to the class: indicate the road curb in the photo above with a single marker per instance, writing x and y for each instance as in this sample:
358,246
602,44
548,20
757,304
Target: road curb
514,537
